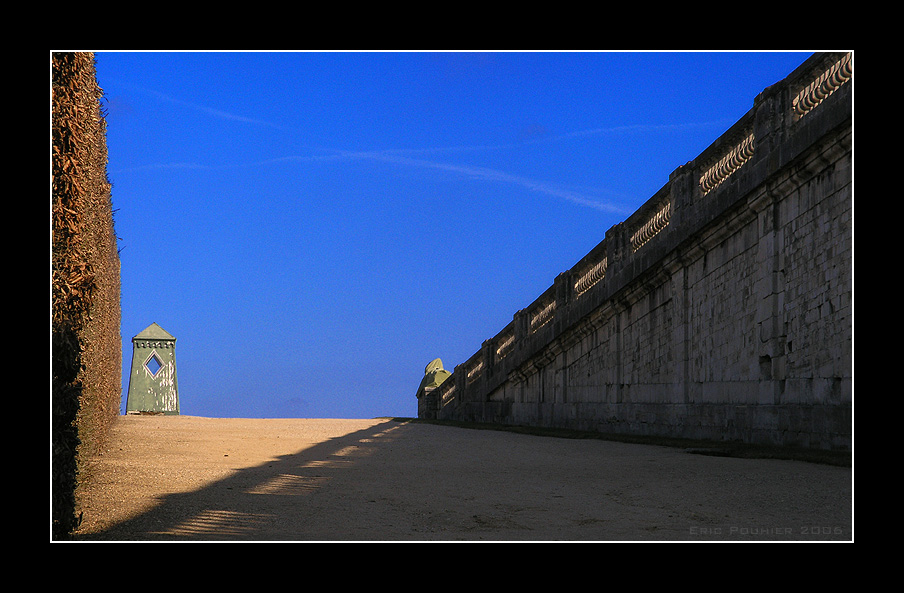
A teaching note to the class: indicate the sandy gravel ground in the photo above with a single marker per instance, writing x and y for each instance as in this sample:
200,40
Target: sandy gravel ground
180,478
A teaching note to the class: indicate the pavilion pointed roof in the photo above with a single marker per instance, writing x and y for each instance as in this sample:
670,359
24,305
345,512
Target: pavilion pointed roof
154,332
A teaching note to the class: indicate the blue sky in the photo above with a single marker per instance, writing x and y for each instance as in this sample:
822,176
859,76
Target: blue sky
315,227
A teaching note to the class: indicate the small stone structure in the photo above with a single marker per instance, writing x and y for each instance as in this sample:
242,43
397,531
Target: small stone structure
153,385
434,375
721,309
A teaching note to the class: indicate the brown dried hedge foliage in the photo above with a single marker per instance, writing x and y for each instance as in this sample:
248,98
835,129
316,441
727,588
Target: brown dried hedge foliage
86,347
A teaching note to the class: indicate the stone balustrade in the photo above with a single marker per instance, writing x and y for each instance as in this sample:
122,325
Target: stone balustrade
795,141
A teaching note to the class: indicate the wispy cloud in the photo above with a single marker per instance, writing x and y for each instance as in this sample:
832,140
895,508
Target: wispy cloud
157,166
215,113
398,157
644,128
490,175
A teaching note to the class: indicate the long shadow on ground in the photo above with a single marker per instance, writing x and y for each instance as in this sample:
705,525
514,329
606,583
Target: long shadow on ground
266,502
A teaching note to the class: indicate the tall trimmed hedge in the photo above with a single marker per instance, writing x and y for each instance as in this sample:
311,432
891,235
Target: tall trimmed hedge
86,345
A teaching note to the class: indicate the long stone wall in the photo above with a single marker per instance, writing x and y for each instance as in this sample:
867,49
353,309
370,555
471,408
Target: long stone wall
721,309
